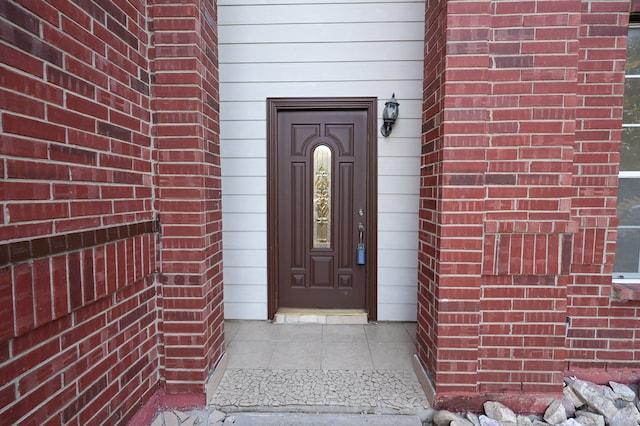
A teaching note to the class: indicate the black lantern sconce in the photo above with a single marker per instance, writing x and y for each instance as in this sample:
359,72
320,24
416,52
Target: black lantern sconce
389,115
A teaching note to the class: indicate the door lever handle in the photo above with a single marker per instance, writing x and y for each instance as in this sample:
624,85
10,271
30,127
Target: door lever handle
360,256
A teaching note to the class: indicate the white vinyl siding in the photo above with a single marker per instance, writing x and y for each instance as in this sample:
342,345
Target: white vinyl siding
287,48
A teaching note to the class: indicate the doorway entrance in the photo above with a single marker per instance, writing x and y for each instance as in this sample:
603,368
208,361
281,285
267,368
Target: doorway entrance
321,204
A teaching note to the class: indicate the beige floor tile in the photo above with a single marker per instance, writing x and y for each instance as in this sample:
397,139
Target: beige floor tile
353,355
343,333
411,329
230,330
249,354
257,331
392,355
300,332
300,355
387,332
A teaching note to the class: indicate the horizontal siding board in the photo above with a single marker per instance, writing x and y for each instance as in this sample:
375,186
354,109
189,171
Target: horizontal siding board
251,91
246,294
399,185
397,258
397,240
243,222
319,13
245,258
245,310
243,148
244,203
243,129
246,240
245,276
398,166
397,221
321,32
228,3
398,294
244,111
396,277
319,72
390,149
245,185
405,50
397,311
243,167
399,203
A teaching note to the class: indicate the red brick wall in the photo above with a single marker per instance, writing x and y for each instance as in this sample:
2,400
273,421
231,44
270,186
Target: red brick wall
604,333
79,334
517,220
90,167
185,130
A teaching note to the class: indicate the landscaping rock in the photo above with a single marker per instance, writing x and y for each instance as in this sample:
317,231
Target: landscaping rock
571,396
487,421
598,398
500,412
587,418
623,391
524,421
473,419
614,405
444,418
570,422
555,413
461,422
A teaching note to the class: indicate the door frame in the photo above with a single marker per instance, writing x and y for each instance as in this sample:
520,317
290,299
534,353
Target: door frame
275,105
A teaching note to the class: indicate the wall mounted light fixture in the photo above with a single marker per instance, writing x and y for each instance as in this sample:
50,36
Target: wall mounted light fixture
389,115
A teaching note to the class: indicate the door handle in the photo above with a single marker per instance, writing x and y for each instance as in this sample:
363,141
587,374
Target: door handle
360,253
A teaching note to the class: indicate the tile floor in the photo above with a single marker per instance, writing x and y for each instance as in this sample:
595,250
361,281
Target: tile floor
314,367
374,346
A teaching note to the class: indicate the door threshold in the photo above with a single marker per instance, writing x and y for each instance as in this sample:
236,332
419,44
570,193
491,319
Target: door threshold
320,316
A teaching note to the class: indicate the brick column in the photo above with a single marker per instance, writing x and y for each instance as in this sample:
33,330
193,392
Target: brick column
601,331
452,193
188,198
496,229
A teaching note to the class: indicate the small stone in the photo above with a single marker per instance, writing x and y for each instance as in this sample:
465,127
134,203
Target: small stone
555,413
158,421
524,421
171,419
190,421
487,421
230,420
473,419
461,422
499,412
569,422
598,398
216,416
626,416
426,415
182,417
587,418
444,418
623,391
571,395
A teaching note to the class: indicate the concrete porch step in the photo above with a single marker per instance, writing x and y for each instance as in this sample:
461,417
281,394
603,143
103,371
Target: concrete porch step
320,316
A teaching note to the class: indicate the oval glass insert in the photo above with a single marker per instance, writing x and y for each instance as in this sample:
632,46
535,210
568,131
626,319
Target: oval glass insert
322,197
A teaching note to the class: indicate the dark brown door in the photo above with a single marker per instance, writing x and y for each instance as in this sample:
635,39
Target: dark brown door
321,200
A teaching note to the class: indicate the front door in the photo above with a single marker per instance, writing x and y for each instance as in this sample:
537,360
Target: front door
319,203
